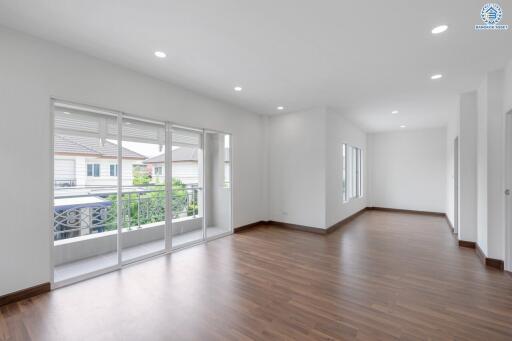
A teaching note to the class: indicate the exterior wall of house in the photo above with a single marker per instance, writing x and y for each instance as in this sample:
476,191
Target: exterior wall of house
186,171
104,179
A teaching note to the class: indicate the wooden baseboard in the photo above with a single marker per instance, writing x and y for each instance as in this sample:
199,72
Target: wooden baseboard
297,227
465,243
491,262
399,210
495,263
249,226
25,293
345,221
316,229
334,227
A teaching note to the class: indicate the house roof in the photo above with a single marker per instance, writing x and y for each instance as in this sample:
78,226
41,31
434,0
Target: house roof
180,154
80,145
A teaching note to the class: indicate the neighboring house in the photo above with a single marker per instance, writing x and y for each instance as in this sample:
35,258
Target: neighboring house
185,166
86,161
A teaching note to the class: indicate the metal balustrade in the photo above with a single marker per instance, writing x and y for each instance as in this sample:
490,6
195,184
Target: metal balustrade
84,214
65,183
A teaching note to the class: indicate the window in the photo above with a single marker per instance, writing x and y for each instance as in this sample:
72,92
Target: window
158,171
352,172
93,169
113,170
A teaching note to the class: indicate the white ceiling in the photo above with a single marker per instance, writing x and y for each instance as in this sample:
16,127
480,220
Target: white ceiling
365,58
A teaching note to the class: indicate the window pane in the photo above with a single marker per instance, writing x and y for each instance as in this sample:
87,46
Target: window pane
84,206
187,186
143,189
113,170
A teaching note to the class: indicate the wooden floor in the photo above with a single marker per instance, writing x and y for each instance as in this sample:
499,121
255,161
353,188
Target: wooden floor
385,276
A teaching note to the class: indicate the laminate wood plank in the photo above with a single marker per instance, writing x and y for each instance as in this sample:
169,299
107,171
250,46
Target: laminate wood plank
383,276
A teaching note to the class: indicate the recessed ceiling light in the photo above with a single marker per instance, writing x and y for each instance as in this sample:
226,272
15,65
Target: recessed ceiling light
438,76
160,54
280,108
439,29
238,88
394,112
403,126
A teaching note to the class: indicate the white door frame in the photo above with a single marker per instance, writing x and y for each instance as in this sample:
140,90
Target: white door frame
456,167
508,186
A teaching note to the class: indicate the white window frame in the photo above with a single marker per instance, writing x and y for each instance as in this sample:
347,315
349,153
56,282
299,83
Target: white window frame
352,172
113,166
94,167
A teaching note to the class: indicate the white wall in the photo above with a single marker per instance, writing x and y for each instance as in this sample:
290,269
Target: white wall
297,168
34,70
452,132
496,166
482,174
491,165
482,124
409,169
305,174
468,167
339,131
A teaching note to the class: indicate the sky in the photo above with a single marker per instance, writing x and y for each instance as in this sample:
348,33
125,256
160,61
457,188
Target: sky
146,149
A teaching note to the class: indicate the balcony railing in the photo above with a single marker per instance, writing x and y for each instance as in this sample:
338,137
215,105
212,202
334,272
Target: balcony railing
65,183
83,214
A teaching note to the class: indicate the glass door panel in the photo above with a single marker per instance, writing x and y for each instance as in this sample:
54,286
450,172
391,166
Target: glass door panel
143,189
85,191
187,186
217,183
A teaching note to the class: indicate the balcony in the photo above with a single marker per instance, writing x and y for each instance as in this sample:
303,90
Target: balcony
85,226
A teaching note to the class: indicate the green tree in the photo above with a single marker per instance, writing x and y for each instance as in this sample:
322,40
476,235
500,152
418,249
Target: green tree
145,207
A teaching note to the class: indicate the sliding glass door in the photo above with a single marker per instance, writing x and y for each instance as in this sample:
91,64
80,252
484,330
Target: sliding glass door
127,188
187,186
85,162
143,199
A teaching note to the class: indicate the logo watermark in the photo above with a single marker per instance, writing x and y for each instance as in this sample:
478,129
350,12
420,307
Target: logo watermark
491,15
